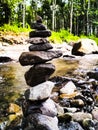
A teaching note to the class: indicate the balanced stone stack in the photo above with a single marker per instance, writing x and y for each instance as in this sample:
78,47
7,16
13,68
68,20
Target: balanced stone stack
39,111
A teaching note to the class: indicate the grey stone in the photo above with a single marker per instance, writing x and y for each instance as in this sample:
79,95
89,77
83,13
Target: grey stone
37,40
42,122
95,113
71,126
40,47
39,73
35,57
45,106
49,108
40,92
42,33
38,26
69,88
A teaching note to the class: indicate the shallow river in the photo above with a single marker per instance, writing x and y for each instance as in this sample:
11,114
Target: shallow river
12,82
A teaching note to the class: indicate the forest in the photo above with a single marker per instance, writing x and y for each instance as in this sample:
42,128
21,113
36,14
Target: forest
79,17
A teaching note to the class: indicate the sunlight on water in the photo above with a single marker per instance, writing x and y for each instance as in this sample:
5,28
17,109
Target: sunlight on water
64,67
12,80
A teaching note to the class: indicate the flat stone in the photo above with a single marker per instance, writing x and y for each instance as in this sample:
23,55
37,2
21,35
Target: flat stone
39,92
42,33
36,57
38,26
37,40
39,73
40,47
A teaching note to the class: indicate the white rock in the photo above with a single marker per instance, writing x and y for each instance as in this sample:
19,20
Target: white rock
49,108
41,91
69,88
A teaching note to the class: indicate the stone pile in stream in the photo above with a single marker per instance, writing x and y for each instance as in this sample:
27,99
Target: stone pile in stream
38,109
57,103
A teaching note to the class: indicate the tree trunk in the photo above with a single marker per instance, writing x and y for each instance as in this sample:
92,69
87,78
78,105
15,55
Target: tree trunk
24,10
71,16
88,24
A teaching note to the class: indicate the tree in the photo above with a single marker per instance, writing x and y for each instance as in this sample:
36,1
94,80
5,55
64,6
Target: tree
71,15
5,13
9,7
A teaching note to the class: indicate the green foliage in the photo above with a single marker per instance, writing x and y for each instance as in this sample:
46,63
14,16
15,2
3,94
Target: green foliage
62,36
55,37
14,28
65,36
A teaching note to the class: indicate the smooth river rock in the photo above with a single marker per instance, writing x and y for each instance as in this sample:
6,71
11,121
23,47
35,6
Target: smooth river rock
39,92
36,57
42,122
38,26
37,40
41,33
84,46
40,47
39,73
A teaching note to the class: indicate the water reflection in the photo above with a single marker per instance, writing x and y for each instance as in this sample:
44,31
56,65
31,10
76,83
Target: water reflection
65,67
12,82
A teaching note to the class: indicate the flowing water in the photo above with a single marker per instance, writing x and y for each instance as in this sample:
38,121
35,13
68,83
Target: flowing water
12,81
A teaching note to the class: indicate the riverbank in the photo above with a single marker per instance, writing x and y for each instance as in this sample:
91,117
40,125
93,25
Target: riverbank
13,51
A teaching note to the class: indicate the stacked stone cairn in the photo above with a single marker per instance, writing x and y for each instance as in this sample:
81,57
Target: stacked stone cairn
39,110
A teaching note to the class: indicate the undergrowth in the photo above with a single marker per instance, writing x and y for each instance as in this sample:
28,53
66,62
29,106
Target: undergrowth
56,37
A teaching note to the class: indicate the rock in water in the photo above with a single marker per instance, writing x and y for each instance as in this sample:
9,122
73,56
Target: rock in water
39,92
84,46
35,57
37,40
40,47
42,33
38,26
39,73
42,122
